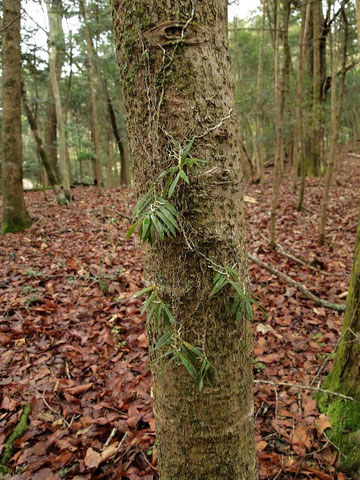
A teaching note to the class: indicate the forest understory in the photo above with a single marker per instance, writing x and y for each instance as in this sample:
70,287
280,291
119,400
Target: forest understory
72,341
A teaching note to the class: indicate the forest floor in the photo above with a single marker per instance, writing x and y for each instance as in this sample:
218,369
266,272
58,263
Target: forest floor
72,340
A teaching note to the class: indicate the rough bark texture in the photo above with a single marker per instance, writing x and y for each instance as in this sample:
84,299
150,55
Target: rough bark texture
176,89
15,216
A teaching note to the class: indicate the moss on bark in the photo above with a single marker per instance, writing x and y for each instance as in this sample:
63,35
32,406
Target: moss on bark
344,414
18,432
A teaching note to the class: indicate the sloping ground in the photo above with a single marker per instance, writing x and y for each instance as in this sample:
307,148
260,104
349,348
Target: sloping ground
72,340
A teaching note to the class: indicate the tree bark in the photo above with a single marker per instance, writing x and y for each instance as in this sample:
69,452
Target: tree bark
54,14
45,162
95,120
15,216
181,57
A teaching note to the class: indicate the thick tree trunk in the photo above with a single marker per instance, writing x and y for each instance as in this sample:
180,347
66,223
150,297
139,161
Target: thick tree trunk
54,14
45,162
15,216
95,121
177,84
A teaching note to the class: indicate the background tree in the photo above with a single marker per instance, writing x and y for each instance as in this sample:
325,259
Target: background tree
184,113
15,215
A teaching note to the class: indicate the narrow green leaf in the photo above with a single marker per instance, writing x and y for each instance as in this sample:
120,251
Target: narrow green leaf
238,289
143,291
151,311
167,224
187,149
173,185
170,217
187,364
147,303
249,312
158,315
159,226
131,230
170,316
221,282
164,340
171,208
145,231
184,176
194,349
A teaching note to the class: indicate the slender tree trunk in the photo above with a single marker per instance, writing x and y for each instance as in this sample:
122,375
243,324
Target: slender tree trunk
279,129
184,65
95,121
125,178
336,108
54,13
316,107
260,109
45,162
15,216
299,147
50,132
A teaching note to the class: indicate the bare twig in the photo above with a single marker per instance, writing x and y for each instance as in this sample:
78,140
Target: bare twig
303,387
317,300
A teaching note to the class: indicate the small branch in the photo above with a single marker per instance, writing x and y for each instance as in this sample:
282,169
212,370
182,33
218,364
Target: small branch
317,300
9,24
303,387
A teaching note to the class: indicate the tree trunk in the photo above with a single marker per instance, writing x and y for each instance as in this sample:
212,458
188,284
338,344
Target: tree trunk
344,378
95,121
299,147
260,102
49,168
316,106
336,108
55,17
15,216
279,93
50,132
184,111
125,178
